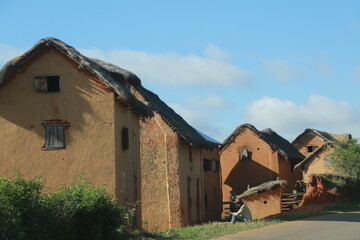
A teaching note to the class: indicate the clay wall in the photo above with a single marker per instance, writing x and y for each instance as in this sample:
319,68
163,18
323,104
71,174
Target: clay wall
159,177
306,140
237,174
317,165
82,102
286,173
212,186
191,187
264,204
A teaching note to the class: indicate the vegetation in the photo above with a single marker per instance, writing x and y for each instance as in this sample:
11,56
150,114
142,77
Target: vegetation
213,230
78,211
346,158
82,211
347,187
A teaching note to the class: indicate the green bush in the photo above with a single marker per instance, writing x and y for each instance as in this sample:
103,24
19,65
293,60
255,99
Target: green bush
21,212
83,211
347,187
77,211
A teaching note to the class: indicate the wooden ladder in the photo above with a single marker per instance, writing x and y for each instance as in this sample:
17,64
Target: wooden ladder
290,201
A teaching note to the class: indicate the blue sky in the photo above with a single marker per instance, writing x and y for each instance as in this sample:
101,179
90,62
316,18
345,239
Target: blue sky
285,65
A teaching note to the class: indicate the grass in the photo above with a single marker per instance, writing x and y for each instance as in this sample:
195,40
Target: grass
219,229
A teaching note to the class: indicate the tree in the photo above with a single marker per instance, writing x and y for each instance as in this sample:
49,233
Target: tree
346,158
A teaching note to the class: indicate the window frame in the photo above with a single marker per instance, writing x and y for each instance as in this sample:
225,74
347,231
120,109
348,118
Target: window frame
42,84
50,138
313,147
244,155
207,165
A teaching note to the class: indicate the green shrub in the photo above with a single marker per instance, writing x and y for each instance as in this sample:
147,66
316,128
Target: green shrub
77,211
21,212
347,187
83,211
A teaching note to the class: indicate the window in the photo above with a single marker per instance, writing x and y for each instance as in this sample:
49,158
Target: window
216,165
311,148
54,135
47,84
328,160
207,165
244,155
125,138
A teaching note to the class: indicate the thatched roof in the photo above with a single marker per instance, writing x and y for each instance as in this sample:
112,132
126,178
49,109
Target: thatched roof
112,76
276,142
327,137
265,187
174,120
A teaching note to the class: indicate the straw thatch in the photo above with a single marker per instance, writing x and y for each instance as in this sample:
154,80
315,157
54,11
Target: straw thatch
327,137
174,120
115,79
265,187
276,142
111,75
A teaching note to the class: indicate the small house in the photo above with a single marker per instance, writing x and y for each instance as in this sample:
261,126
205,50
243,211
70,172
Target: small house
317,146
250,157
264,200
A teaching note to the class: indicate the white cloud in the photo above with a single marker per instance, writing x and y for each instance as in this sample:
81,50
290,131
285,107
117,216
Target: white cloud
174,69
282,70
210,101
214,52
290,119
8,52
195,118
356,73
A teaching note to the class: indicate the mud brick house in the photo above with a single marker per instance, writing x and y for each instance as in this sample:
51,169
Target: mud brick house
171,158
212,181
63,114
317,146
250,157
264,200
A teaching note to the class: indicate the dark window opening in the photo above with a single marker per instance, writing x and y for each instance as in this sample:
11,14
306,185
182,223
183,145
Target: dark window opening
216,166
190,158
311,148
54,135
207,165
125,138
47,84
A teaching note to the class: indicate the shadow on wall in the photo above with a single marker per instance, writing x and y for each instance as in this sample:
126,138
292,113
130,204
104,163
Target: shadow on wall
247,173
27,109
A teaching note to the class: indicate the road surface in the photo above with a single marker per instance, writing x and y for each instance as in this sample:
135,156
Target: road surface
342,226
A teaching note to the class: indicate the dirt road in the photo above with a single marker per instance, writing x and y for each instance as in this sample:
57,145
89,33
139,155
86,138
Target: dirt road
342,226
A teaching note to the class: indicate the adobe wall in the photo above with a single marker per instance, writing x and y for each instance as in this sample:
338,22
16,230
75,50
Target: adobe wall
212,187
286,173
157,144
191,184
82,102
308,139
237,175
264,204
127,161
317,165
